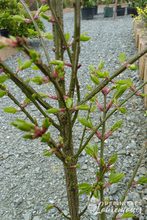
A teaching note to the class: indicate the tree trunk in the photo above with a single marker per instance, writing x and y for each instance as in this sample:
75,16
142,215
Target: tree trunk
72,192
65,119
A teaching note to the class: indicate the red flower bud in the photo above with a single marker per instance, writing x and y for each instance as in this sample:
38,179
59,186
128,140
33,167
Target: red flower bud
100,107
45,79
105,90
38,132
108,134
36,16
109,105
53,97
55,74
68,64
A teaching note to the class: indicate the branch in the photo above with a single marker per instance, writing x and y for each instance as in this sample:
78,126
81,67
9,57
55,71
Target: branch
56,150
61,211
84,130
76,50
61,34
115,74
50,69
108,116
132,179
18,104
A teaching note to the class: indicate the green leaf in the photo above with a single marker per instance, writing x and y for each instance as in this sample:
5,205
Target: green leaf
112,159
102,74
32,32
96,194
28,136
92,150
25,65
101,65
11,110
3,78
67,36
44,8
85,188
115,177
69,102
37,80
48,36
35,67
57,62
82,107
46,123
23,125
47,153
46,17
127,215
94,79
84,37
34,55
53,110
122,57
2,93
123,110
18,18
45,137
120,90
142,180
85,122
49,207
133,67
127,82
117,125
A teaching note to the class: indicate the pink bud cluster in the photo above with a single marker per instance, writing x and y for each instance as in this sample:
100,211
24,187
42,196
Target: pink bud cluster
106,136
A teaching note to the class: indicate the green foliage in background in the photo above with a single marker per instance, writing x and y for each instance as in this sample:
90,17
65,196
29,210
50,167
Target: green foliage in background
10,10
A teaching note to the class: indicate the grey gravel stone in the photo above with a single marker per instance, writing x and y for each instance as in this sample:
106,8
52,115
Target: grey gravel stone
84,167
36,218
27,216
114,189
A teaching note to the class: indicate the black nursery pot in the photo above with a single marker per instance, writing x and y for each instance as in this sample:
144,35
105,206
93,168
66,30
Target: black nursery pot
108,11
120,11
95,10
132,11
87,13
4,33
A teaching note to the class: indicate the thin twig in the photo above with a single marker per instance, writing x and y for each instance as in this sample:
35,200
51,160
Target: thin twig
59,209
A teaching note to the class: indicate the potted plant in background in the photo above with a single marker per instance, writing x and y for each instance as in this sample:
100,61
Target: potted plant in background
13,20
131,9
108,11
132,6
88,9
120,11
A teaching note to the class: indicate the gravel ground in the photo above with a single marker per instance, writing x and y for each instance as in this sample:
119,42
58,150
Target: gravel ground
28,181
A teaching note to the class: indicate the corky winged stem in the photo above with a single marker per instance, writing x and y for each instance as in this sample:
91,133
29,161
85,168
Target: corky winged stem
102,215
